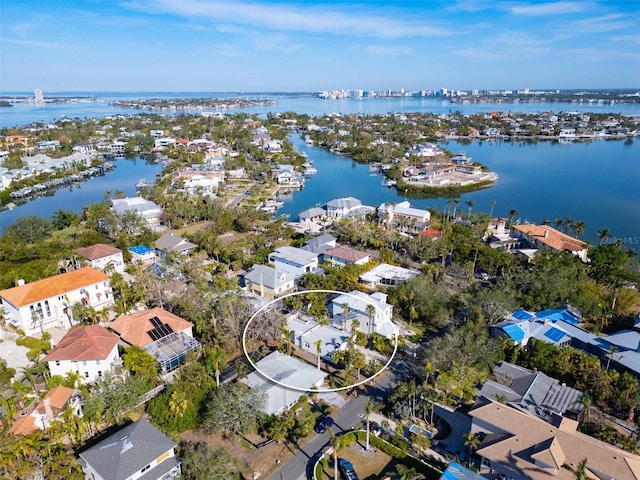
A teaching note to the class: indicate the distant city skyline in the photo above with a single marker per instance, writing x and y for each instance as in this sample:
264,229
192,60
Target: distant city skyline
281,45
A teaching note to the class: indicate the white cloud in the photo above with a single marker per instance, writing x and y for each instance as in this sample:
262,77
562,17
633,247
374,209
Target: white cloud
276,41
634,39
293,17
386,50
604,23
46,45
550,8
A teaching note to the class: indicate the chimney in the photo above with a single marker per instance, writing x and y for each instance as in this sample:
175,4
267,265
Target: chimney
48,412
546,233
20,282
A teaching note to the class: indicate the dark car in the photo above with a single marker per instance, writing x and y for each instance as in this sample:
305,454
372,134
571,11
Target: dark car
347,470
323,423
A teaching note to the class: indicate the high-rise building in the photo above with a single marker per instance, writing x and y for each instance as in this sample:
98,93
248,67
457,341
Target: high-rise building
39,97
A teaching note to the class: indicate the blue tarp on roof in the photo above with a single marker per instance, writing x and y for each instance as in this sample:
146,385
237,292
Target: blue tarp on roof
521,315
457,472
514,331
555,334
140,249
554,314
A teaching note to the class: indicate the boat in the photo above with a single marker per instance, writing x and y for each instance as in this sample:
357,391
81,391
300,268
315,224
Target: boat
391,183
142,183
310,170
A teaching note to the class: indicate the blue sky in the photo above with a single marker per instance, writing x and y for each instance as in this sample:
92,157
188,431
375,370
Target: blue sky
283,45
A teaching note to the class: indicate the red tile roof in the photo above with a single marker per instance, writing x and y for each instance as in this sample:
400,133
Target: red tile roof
85,342
52,286
99,250
346,253
133,328
58,396
551,237
24,426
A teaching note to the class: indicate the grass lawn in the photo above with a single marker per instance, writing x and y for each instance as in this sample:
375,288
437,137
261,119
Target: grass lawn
367,464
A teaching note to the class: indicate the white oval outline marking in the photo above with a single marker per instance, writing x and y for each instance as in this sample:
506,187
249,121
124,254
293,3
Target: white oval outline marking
305,390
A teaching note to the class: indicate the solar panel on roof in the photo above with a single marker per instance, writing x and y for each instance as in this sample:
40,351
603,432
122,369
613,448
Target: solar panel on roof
160,331
153,334
155,321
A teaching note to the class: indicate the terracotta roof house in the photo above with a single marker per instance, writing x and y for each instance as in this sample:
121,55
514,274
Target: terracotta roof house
139,451
100,255
548,238
521,446
46,303
49,409
342,256
135,329
90,350
164,335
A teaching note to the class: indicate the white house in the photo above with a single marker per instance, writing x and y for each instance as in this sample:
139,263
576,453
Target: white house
142,255
90,350
148,210
163,142
385,274
51,408
294,261
288,371
100,256
269,282
404,215
47,303
358,302
341,207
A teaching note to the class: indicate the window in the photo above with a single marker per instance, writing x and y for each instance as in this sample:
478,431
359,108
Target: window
57,363
84,362
86,374
47,308
97,362
99,373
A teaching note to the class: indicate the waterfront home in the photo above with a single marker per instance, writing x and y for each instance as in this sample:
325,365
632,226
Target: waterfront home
269,282
168,337
142,255
49,409
47,303
522,446
287,370
548,238
385,274
86,148
137,451
567,133
102,257
345,207
170,242
357,303
294,261
149,211
341,256
403,216
311,217
89,350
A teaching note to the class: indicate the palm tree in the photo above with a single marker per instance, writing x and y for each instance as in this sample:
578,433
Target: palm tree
336,443
216,360
370,406
408,473
472,442
371,310
345,314
318,345
545,221
512,213
603,235
579,228
456,202
493,204
470,204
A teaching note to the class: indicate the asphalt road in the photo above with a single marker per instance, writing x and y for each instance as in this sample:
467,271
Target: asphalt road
350,415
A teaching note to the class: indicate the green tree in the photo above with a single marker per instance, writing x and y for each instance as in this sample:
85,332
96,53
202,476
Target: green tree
233,410
140,362
202,462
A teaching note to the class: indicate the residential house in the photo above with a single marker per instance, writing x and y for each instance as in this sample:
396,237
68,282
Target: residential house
90,350
47,303
142,255
137,451
289,371
532,391
164,335
306,331
320,244
521,446
48,410
169,242
85,148
357,309
342,256
164,142
102,257
308,218
385,274
149,211
294,261
548,238
269,282
342,207
404,216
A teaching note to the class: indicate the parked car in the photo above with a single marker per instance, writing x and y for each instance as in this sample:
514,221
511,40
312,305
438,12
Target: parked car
347,470
323,423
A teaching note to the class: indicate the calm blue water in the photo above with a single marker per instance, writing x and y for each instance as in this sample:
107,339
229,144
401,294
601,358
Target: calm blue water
123,177
594,182
22,114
